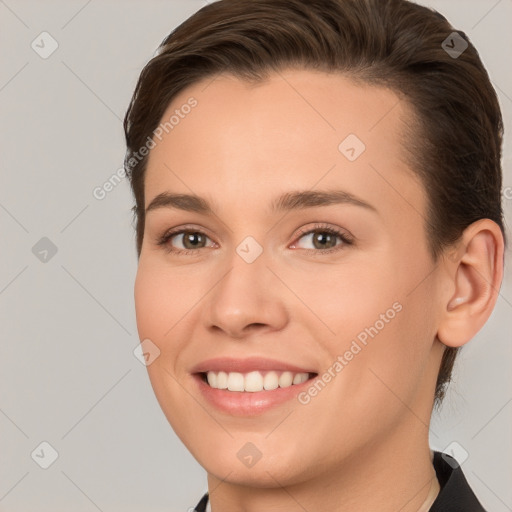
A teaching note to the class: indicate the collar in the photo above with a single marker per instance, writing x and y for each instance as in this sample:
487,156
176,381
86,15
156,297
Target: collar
455,494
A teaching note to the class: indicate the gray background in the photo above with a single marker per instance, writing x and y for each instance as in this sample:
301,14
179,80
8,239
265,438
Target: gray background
68,374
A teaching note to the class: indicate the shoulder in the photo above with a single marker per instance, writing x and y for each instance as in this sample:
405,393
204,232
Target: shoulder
203,505
455,495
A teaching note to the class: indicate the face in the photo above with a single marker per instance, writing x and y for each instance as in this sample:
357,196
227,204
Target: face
271,286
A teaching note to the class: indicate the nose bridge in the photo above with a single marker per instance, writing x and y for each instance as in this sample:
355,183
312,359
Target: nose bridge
245,296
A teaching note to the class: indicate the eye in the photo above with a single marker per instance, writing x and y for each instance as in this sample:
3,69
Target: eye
324,239
184,241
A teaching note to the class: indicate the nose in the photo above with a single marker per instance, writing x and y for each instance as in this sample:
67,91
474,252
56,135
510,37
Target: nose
246,299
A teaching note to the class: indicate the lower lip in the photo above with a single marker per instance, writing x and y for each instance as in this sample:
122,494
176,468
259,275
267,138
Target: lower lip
248,403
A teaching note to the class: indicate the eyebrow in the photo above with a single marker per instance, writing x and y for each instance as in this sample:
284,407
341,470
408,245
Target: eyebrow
286,202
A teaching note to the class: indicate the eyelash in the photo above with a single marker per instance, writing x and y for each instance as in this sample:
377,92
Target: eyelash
347,241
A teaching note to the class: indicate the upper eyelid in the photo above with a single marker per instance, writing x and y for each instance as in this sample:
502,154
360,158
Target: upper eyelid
340,232
320,227
301,231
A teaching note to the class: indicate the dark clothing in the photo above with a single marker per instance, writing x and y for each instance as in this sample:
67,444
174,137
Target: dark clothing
455,494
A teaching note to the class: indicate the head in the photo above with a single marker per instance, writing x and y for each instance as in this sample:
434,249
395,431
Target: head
249,101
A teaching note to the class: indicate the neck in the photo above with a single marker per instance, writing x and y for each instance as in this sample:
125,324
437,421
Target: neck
432,494
387,475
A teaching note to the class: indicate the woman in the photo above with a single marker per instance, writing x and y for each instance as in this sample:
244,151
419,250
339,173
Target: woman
319,231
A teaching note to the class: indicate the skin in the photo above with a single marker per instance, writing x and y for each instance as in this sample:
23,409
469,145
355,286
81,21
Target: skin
362,443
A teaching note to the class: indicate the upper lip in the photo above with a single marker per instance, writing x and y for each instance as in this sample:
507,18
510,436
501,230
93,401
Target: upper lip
229,364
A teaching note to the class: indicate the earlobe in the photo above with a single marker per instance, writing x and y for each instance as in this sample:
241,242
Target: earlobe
476,275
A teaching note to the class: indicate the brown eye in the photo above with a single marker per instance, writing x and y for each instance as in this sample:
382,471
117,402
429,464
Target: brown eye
192,239
322,240
184,241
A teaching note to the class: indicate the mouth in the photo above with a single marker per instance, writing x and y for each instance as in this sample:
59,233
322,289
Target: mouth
249,386
254,381
253,393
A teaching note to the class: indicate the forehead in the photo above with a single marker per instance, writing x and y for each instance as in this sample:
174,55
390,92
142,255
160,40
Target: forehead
298,129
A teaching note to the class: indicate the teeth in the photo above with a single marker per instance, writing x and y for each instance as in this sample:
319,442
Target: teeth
254,381
222,380
298,379
212,379
270,381
235,381
286,379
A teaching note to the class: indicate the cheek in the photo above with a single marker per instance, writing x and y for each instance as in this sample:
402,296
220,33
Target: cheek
382,332
389,369
149,299
341,302
166,304
160,308
162,299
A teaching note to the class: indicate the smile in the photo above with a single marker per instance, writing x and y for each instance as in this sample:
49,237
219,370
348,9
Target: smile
249,386
254,381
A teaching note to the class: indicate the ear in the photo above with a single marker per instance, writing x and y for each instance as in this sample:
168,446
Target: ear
474,274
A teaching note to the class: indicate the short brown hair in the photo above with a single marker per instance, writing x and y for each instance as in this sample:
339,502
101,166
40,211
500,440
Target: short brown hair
456,146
